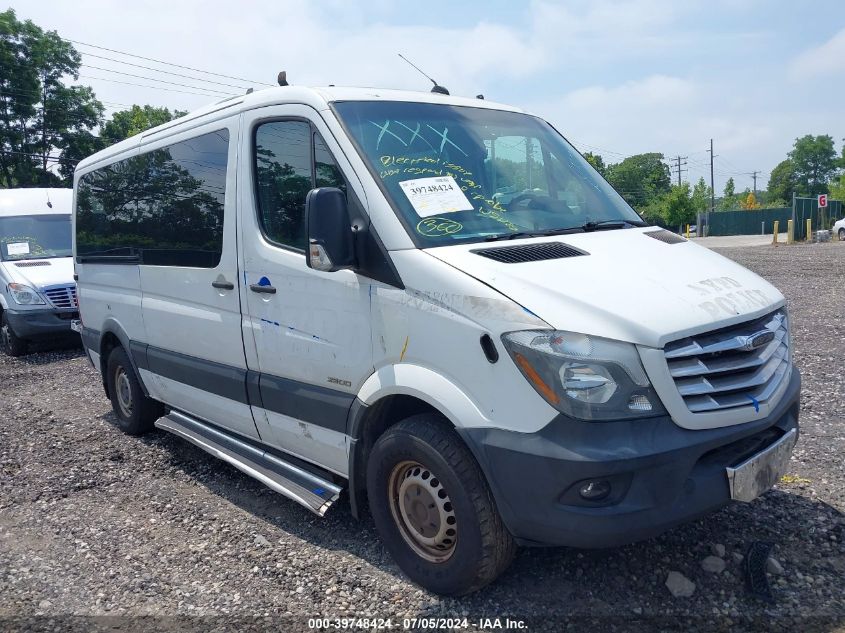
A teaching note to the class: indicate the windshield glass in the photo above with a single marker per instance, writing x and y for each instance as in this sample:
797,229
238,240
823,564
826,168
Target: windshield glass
35,236
458,173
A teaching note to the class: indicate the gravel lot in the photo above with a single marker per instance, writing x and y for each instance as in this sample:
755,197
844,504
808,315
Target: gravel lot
93,522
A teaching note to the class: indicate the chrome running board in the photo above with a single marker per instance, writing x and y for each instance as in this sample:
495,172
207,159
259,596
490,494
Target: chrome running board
306,488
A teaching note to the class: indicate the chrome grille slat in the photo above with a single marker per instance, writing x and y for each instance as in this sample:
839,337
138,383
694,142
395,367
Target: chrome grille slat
63,297
733,382
712,343
727,401
722,369
695,366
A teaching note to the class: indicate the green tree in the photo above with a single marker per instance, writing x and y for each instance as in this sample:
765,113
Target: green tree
135,120
640,179
700,196
674,209
815,163
729,199
597,162
782,183
678,206
41,119
837,189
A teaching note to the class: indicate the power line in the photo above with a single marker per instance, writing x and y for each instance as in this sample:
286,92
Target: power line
164,81
38,156
166,72
129,83
158,61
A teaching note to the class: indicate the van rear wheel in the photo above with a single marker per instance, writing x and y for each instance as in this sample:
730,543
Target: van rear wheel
136,413
433,508
13,345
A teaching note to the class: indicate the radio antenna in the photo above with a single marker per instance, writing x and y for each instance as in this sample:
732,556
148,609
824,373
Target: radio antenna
437,88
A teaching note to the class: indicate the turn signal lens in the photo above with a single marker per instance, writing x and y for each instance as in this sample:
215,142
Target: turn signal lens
535,379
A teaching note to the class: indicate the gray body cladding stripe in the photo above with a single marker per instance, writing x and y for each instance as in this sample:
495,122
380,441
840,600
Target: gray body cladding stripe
322,406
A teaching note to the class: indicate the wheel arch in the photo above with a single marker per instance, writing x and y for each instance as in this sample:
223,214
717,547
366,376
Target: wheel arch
114,335
366,424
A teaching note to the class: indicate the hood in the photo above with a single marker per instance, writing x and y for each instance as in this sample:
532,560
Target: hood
627,286
41,273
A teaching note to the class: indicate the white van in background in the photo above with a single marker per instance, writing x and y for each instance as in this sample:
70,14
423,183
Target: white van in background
436,304
37,291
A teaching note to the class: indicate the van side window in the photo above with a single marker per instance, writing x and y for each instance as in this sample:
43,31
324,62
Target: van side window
289,162
162,208
326,171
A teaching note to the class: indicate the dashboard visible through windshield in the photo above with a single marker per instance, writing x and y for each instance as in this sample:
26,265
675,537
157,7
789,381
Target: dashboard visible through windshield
456,173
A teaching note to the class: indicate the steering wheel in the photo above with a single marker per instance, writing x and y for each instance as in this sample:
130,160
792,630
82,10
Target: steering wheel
542,200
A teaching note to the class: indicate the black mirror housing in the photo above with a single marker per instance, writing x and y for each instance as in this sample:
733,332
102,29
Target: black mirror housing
329,231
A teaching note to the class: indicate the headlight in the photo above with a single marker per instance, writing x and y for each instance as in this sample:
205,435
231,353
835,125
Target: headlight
24,295
584,376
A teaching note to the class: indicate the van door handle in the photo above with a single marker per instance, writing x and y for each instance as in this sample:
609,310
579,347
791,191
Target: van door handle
223,285
269,290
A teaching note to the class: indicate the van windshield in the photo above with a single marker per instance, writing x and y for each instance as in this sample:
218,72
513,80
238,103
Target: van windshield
456,173
35,236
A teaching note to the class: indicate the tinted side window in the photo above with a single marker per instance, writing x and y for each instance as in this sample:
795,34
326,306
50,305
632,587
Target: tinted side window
164,208
326,171
283,176
289,162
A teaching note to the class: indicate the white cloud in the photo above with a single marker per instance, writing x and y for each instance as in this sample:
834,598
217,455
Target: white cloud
826,59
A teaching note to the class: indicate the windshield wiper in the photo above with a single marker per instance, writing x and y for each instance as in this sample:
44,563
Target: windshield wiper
511,236
601,225
606,225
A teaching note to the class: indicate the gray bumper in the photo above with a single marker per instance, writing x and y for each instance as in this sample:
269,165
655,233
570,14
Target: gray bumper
38,323
660,474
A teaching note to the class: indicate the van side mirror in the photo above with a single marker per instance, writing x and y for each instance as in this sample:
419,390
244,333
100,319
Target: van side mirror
329,230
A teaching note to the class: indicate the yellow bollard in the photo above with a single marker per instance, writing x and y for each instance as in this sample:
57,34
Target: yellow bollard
809,230
775,232
687,231
790,233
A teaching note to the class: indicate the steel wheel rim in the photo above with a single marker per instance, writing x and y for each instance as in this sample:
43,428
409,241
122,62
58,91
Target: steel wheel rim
123,391
842,235
423,511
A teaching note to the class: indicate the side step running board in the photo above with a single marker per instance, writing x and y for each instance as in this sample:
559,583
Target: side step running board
307,489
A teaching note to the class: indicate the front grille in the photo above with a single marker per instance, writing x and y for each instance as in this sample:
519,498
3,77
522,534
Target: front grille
738,366
63,297
530,252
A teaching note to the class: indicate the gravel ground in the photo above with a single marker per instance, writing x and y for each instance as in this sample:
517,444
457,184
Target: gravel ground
96,523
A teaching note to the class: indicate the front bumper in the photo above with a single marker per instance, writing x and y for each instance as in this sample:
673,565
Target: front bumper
37,323
661,475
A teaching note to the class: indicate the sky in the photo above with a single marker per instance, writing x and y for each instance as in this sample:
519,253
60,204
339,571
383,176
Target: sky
615,77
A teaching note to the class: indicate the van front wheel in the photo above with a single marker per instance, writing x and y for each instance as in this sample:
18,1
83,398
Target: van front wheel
136,413
13,345
433,508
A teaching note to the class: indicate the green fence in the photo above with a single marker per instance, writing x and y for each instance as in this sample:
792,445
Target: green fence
761,221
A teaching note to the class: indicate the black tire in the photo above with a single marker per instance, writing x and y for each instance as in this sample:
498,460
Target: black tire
136,413
482,548
13,345
842,235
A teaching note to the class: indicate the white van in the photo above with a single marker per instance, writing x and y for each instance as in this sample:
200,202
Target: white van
37,291
436,304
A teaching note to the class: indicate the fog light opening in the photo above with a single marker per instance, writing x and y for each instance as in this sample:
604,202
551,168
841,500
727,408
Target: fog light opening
595,490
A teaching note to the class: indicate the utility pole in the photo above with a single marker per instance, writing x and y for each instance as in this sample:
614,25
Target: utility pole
44,130
678,160
712,189
754,176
